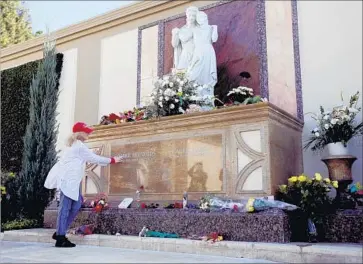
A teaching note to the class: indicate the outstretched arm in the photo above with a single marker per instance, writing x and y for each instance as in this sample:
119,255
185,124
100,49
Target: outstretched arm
88,156
214,33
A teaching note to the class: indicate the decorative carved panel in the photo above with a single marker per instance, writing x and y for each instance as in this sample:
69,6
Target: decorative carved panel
250,160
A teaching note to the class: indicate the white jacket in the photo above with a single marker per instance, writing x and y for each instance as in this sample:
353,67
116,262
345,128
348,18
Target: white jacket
68,172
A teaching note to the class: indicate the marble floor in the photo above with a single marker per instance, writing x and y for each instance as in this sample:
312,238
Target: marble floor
25,252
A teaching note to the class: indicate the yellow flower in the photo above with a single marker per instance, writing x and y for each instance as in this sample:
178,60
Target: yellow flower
302,178
327,180
283,187
12,174
359,186
318,177
179,93
250,205
220,238
335,184
293,179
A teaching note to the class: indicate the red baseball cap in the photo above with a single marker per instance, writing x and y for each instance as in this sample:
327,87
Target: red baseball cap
82,127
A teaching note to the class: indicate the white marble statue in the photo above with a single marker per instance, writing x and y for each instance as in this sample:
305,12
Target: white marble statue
203,67
182,40
194,53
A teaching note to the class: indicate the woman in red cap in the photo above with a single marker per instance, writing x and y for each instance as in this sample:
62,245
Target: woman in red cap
66,175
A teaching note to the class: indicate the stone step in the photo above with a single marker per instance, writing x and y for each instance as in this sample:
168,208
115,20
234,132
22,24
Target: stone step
287,253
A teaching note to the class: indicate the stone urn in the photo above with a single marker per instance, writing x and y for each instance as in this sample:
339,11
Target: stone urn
340,170
337,149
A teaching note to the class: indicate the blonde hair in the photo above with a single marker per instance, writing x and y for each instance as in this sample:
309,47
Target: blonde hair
76,136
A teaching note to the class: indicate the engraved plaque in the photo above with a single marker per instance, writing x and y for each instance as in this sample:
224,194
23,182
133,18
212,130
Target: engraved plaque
169,166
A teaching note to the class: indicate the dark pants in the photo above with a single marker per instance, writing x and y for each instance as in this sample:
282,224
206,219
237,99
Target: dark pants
67,212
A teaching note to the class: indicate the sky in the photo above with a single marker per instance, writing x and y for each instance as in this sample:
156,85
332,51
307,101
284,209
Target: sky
55,15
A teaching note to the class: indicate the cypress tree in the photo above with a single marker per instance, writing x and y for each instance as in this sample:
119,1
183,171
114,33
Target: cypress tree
40,138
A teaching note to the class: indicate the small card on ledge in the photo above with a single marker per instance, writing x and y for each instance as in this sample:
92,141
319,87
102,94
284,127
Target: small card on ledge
125,203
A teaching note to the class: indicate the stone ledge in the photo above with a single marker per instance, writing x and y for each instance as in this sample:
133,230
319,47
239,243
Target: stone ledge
267,226
290,253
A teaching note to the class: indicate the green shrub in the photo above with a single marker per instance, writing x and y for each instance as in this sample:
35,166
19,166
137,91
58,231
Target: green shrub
15,84
15,94
15,104
9,208
20,224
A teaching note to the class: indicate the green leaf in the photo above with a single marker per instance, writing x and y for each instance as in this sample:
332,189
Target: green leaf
256,99
246,101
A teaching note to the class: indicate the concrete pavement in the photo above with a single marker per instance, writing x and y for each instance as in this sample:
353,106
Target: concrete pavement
287,253
29,252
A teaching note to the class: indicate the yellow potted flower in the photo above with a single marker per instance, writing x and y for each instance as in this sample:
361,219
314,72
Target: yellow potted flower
311,195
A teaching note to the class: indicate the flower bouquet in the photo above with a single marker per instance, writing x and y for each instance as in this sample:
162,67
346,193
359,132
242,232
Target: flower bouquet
212,237
83,230
356,191
243,95
172,95
100,203
311,195
175,205
335,126
149,206
136,114
242,205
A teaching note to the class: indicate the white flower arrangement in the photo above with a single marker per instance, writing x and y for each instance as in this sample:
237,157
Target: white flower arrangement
240,95
172,95
241,90
243,95
337,125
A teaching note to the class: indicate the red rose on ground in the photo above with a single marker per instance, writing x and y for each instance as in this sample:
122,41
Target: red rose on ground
88,230
214,236
235,208
143,205
178,205
98,208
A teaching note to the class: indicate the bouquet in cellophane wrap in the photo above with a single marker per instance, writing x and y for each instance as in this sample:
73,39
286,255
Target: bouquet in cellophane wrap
248,205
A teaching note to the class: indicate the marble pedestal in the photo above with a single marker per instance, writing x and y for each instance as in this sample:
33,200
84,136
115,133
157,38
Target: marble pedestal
237,152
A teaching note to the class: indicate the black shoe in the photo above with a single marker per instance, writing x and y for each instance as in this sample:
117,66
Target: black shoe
63,242
54,236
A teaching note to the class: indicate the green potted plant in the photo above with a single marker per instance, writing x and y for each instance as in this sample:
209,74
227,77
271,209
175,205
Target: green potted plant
335,128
